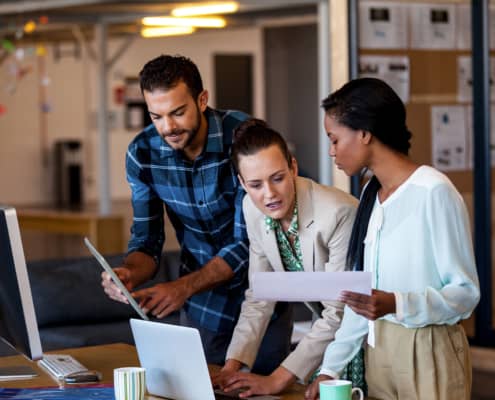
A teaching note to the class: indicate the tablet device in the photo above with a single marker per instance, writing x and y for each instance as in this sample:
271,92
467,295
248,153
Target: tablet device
115,279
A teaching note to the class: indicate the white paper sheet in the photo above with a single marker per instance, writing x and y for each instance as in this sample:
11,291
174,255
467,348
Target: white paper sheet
469,130
382,25
465,79
308,286
433,26
449,139
464,27
392,69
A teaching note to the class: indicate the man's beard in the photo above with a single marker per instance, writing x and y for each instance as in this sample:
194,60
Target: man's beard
191,133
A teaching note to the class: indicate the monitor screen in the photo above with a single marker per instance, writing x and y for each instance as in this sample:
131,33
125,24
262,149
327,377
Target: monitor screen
18,325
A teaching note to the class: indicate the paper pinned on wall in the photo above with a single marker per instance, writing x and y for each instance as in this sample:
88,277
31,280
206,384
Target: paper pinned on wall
469,134
433,26
308,286
463,28
382,25
463,31
465,79
392,69
448,134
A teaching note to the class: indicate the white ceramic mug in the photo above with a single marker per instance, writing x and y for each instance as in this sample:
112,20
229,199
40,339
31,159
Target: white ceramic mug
129,383
338,389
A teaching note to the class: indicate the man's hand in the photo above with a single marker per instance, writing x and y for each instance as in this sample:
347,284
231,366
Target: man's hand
111,288
313,390
252,384
137,268
372,307
231,367
163,298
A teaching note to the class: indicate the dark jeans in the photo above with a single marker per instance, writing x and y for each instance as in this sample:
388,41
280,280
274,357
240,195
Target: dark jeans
274,347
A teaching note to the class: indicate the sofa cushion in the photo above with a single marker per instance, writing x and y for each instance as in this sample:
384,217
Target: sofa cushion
69,291
69,336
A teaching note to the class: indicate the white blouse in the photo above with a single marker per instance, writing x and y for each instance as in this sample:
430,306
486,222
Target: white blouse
418,246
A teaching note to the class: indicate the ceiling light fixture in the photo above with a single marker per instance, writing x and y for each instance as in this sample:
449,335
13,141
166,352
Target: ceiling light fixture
208,22
166,31
205,9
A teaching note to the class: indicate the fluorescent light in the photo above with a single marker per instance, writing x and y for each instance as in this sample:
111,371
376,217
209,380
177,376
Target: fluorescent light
208,22
166,31
205,9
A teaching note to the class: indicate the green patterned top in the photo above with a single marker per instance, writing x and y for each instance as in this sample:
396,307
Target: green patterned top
291,256
292,261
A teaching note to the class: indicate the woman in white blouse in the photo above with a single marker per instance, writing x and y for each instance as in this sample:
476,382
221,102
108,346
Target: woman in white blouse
412,232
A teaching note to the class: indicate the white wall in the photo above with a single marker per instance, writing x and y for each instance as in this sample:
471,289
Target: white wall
25,179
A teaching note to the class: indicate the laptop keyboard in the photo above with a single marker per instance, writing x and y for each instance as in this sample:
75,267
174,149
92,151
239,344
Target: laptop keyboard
221,395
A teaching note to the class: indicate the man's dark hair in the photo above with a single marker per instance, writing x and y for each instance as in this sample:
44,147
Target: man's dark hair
165,72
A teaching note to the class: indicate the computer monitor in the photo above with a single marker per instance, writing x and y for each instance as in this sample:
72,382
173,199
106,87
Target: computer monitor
18,324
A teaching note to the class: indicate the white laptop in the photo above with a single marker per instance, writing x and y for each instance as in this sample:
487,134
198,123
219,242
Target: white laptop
175,362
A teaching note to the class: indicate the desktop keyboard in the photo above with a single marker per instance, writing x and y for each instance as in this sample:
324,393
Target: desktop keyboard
60,365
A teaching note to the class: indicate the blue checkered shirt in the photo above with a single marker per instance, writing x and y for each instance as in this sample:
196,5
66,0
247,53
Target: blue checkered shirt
203,199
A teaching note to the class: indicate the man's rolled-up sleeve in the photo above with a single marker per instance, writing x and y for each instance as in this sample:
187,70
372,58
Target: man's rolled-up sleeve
147,230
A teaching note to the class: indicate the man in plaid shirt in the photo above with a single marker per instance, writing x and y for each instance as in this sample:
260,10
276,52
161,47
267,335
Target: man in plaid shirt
182,161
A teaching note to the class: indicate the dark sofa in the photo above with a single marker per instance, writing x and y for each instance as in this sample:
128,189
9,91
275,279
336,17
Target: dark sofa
73,311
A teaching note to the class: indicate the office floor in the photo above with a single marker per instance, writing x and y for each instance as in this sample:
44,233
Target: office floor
39,245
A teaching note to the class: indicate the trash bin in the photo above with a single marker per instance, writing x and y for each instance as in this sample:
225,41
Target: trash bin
68,174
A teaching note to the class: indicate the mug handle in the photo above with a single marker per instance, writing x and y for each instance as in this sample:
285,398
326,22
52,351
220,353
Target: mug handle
357,390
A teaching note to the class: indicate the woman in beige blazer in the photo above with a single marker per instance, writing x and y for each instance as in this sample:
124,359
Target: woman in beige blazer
316,222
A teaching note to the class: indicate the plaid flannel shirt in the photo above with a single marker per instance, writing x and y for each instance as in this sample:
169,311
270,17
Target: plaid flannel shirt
203,199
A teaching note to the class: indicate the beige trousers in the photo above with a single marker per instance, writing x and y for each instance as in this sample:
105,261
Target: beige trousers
430,363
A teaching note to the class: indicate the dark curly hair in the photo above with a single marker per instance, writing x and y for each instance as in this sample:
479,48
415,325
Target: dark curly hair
166,71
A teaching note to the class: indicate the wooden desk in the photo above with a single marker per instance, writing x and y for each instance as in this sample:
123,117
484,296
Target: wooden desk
105,232
104,359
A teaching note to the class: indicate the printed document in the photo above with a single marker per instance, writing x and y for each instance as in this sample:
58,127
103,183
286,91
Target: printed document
308,286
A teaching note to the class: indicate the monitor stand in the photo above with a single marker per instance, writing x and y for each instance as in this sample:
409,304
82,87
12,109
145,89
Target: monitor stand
13,372
7,350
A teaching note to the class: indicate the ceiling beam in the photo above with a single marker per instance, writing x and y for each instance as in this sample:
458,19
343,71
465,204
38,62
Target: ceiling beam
33,5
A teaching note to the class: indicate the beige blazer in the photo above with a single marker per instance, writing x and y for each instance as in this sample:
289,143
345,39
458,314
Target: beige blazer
325,222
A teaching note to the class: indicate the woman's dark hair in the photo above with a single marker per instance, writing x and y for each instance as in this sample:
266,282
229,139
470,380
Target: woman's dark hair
369,104
165,72
254,135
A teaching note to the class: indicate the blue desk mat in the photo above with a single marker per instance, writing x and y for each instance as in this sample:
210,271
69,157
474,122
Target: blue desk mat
78,393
